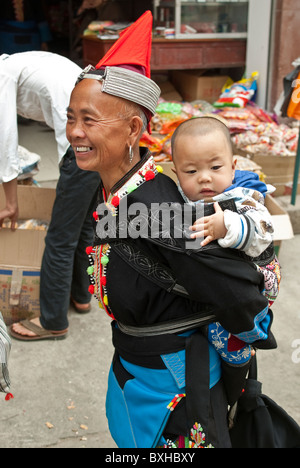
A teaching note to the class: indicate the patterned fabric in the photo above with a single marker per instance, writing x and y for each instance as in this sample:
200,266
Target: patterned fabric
220,339
260,330
196,439
272,275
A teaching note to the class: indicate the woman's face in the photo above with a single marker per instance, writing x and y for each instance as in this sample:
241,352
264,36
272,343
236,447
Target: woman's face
97,129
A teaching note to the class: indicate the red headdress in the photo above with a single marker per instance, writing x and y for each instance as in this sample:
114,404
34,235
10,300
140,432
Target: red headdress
125,68
133,49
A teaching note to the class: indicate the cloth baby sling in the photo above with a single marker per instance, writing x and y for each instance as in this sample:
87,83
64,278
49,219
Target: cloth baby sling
162,276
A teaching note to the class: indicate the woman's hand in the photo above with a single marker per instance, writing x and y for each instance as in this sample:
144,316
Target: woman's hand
9,213
11,210
210,227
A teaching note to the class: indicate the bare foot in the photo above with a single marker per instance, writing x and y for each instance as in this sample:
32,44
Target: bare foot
23,331
18,327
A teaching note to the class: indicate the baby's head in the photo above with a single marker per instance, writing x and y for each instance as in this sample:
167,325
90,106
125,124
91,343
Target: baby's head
203,157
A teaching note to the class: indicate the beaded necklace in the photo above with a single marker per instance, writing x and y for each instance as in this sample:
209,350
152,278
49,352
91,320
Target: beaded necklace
99,255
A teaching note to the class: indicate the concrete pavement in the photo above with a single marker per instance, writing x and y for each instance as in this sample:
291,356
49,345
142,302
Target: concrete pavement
279,370
64,382
60,384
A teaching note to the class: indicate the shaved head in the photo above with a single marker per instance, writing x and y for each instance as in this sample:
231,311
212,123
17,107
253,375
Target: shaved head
200,126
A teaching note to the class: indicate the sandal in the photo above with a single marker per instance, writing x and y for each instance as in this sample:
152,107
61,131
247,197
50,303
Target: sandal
40,332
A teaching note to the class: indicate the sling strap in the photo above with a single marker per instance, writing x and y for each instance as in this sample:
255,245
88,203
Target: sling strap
148,267
173,326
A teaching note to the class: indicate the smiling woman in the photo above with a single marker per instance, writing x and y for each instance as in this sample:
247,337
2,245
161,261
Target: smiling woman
101,133
165,388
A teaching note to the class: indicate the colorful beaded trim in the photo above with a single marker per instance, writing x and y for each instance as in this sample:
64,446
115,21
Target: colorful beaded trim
147,172
172,405
99,255
98,260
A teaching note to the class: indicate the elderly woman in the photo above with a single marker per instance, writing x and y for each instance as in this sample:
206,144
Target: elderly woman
165,385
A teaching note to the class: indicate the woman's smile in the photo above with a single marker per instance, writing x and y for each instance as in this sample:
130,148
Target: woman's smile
82,149
82,152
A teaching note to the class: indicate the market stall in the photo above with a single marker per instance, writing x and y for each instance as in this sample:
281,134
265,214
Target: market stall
186,35
260,140
177,54
199,48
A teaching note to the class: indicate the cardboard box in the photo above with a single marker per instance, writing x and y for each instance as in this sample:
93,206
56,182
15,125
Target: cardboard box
278,170
21,255
283,229
193,85
19,294
169,92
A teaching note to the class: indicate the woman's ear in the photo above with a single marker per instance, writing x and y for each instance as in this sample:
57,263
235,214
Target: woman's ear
136,126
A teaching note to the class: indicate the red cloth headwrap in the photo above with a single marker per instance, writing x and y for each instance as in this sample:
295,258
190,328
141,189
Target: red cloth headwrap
133,49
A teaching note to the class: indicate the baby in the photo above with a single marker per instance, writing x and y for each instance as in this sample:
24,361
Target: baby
205,167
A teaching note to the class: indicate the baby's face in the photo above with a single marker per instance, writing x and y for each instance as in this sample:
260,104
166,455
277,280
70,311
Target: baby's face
204,165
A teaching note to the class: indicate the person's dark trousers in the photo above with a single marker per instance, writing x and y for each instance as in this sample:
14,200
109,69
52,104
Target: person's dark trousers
64,265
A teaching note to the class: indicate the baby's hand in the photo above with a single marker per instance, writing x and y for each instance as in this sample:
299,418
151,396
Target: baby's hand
210,227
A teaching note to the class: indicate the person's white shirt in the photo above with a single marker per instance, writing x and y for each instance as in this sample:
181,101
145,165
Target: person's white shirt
37,86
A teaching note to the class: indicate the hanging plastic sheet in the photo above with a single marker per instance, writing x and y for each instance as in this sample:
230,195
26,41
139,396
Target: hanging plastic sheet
289,89
291,108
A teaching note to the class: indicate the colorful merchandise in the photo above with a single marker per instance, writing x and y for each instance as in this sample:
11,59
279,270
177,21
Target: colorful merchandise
268,138
239,93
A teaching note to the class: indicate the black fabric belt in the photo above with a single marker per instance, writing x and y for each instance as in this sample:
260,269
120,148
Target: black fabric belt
172,326
146,351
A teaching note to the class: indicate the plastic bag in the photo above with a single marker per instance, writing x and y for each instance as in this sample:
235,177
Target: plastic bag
239,94
29,163
293,110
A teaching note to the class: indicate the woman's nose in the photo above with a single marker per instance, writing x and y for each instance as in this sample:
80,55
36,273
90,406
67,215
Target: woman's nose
75,130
